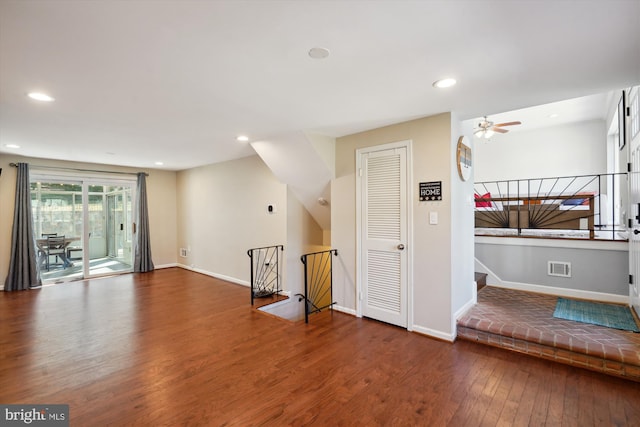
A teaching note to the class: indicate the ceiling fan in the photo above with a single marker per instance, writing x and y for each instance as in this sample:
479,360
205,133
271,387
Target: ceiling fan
487,128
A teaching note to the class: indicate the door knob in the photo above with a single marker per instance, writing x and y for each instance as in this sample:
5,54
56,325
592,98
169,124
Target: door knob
636,231
401,246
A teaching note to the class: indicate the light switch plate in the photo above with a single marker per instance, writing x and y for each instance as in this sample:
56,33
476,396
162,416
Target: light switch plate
433,218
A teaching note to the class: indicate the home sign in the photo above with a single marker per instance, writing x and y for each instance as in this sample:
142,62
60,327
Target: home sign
430,191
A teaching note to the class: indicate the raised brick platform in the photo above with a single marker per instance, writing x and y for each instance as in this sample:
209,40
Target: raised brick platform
524,322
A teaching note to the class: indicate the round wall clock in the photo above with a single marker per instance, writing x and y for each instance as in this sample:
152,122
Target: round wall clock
463,159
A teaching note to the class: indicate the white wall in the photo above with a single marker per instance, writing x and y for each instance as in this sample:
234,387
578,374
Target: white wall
296,161
326,148
222,213
161,197
304,235
462,230
571,149
434,247
597,268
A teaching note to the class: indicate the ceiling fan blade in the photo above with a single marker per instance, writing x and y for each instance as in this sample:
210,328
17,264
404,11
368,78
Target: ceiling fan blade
508,124
499,130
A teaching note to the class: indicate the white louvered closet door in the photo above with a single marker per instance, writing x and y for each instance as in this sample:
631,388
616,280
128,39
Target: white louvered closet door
384,235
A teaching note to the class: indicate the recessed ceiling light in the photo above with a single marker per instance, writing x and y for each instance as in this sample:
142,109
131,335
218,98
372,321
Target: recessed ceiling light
553,116
442,83
159,163
319,52
242,138
12,145
39,96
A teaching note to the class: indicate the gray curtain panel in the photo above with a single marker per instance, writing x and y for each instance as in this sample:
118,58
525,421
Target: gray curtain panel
23,271
142,262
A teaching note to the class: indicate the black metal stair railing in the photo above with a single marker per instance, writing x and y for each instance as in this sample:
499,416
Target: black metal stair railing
265,271
586,203
318,281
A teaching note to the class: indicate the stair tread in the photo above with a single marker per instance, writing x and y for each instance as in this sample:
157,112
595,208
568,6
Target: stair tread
481,280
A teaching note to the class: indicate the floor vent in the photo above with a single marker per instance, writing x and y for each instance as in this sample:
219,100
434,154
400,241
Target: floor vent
558,268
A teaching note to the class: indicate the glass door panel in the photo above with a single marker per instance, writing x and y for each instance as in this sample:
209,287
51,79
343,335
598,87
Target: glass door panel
111,239
57,210
109,224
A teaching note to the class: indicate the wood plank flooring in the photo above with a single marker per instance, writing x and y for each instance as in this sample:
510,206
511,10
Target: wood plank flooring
173,347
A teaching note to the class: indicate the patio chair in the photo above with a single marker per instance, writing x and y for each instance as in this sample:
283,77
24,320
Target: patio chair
55,247
44,236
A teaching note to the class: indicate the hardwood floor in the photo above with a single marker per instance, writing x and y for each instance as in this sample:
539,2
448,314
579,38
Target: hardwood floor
175,347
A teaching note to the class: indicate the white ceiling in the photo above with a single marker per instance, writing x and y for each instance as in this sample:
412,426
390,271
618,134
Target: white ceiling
137,82
590,107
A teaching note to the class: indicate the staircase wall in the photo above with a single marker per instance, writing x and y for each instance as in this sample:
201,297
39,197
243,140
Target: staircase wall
303,162
599,270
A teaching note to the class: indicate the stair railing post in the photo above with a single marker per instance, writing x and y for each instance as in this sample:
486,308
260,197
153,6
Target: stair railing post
278,269
335,253
303,258
250,253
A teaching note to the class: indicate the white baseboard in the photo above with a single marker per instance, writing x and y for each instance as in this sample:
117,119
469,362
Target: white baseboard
563,292
226,278
341,309
458,314
216,275
415,328
159,267
433,333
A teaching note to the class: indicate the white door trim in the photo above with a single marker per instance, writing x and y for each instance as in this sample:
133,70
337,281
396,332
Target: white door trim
633,145
407,144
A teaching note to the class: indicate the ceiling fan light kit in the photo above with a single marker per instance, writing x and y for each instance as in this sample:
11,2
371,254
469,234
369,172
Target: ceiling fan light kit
484,133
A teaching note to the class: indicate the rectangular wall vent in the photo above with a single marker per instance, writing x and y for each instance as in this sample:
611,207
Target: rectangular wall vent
559,268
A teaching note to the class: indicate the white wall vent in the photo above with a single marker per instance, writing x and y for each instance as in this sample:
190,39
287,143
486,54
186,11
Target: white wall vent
559,268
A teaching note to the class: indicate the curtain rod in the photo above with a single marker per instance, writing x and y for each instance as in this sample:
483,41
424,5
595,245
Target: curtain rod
15,165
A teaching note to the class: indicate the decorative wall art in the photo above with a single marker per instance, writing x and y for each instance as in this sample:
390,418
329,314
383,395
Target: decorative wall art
463,159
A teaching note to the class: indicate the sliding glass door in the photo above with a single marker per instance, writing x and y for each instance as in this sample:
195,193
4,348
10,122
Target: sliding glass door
95,217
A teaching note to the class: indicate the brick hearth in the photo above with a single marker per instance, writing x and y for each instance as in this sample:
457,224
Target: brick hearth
523,322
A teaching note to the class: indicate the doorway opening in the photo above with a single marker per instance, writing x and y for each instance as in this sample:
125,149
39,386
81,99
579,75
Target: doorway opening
83,227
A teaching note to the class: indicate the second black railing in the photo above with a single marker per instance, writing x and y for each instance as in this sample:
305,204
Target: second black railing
318,281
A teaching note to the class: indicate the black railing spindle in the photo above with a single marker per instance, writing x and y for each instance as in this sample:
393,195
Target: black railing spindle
567,206
318,281
265,271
